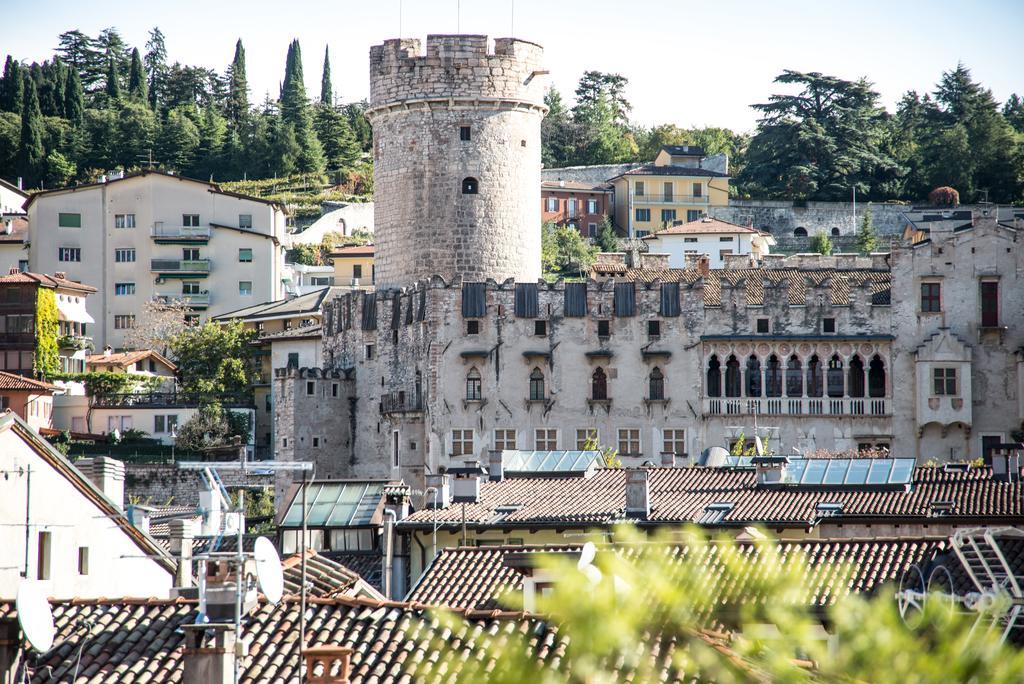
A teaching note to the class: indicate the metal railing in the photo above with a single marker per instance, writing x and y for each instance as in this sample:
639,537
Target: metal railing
797,406
181,232
662,198
197,299
180,399
401,402
180,265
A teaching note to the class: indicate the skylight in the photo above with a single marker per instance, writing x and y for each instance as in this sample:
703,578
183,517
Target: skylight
715,513
336,504
551,461
849,472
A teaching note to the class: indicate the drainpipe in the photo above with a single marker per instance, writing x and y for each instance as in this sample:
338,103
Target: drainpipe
433,539
390,518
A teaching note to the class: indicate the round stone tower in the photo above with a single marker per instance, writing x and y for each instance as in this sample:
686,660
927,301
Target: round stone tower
456,159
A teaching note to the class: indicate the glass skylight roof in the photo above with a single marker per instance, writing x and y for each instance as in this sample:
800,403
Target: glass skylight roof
336,504
839,472
551,461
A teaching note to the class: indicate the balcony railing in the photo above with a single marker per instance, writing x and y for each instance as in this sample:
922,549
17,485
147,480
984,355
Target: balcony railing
180,265
797,406
199,299
661,198
401,402
190,233
166,399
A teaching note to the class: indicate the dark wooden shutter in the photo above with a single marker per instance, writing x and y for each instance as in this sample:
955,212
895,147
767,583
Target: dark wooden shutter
527,304
396,311
369,311
575,300
625,299
670,299
474,300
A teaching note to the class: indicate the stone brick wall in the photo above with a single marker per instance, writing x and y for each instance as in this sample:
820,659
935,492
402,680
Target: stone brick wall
152,484
424,223
781,218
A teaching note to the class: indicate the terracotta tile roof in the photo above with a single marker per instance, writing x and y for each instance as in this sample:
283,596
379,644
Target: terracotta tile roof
839,281
325,578
574,185
127,358
15,382
303,331
19,229
369,566
479,578
142,641
702,226
352,250
44,280
672,170
681,495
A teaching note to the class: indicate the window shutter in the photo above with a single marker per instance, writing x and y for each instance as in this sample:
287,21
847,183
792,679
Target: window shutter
625,299
670,299
369,311
396,311
575,300
527,304
474,300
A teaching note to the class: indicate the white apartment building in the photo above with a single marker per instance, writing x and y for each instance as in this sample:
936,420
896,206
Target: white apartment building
154,235
717,239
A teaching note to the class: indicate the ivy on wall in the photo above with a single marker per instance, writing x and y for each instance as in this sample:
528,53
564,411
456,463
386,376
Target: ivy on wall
47,357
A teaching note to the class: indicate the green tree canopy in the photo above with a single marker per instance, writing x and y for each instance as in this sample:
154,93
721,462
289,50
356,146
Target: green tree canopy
31,153
137,78
214,359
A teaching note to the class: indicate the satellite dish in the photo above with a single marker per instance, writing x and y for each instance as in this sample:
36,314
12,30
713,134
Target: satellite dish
35,616
268,569
587,554
758,446
911,596
714,457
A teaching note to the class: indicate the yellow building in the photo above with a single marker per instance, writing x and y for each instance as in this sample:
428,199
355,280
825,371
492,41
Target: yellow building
353,265
674,188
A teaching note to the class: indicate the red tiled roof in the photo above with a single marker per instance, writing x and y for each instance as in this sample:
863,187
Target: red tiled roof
681,495
672,170
325,578
142,641
13,381
352,250
44,280
702,226
479,578
127,358
19,228
576,186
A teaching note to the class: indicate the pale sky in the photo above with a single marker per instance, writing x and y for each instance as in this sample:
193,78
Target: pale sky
689,63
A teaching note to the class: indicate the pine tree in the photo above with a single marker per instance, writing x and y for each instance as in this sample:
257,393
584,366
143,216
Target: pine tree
137,78
156,65
341,149
238,88
326,91
295,115
13,87
74,106
113,87
30,150
866,237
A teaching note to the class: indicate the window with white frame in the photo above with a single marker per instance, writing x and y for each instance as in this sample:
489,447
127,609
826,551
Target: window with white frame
673,440
504,439
124,289
124,220
69,254
552,204
629,442
586,438
545,439
124,255
124,321
462,442
591,206
245,288
190,220
245,221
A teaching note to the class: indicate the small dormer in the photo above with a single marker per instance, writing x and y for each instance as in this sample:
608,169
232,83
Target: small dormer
680,155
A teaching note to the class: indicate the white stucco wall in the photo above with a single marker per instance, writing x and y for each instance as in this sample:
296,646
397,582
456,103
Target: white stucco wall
676,247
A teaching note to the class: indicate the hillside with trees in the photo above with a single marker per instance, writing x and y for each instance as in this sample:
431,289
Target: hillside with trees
101,104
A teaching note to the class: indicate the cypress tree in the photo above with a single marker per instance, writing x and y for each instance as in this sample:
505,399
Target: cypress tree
13,86
238,88
30,150
293,91
74,104
137,78
113,87
326,91
156,64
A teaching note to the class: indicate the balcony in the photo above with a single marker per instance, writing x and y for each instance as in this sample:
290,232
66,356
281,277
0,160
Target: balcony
199,300
401,402
798,406
167,400
661,198
181,267
165,234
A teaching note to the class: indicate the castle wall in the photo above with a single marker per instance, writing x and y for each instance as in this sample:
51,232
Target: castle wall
781,218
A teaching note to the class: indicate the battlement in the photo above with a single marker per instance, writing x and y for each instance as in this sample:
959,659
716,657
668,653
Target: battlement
454,67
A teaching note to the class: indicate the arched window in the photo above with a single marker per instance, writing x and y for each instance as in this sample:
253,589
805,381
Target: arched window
714,387
657,384
800,232
732,377
835,231
773,377
835,376
876,377
753,376
599,385
473,389
855,381
470,186
794,378
814,384
536,385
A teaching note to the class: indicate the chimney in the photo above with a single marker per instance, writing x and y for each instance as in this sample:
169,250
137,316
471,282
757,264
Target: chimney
108,350
495,466
1006,462
139,516
668,459
60,275
769,469
107,474
180,534
440,497
638,493
209,655
327,664
466,484
704,265
14,270
213,513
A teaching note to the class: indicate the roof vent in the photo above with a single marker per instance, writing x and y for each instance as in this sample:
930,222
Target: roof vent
829,509
466,484
638,493
1006,462
956,468
938,509
14,270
